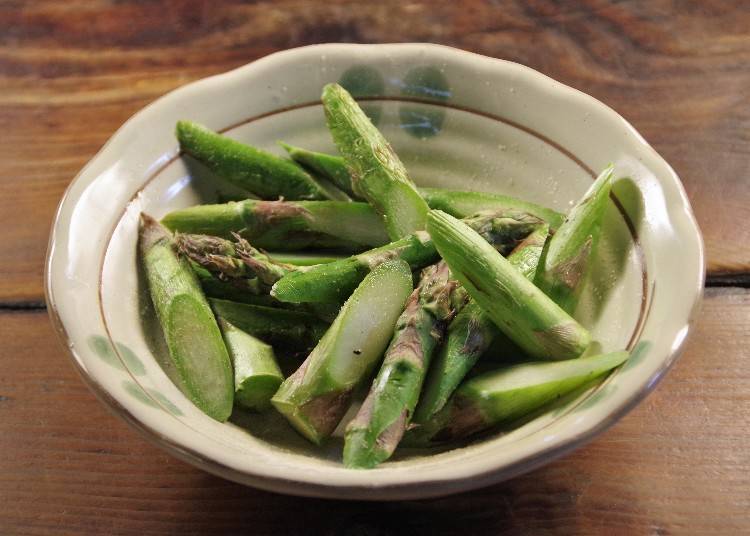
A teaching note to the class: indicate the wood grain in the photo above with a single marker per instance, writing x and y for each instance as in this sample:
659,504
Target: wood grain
71,72
677,464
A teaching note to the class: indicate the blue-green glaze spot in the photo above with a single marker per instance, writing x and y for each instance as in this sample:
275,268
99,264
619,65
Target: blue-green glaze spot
101,347
164,401
428,83
365,81
137,392
134,365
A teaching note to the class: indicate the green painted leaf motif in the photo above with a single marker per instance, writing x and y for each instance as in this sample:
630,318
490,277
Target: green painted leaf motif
427,83
365,81
137,392
101,346
637,355
165,402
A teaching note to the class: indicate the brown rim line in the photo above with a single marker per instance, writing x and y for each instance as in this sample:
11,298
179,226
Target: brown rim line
646,300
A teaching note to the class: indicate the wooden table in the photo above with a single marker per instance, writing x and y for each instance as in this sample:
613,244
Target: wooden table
71,72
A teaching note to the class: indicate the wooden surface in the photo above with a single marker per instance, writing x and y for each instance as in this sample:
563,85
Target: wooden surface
71,72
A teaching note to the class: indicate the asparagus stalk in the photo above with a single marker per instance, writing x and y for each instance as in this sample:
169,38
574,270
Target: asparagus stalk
233,260
253,170
460,204
566,262
372,436
470,334
522,311
510,393
256,374
309,258
316,396
195,344
328,166
279,327
334,281
377,173
285,225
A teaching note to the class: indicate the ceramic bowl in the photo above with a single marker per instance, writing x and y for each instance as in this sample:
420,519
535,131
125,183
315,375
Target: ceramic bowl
456,119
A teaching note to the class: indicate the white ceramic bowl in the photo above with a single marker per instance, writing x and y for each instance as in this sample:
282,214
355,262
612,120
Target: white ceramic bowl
457,119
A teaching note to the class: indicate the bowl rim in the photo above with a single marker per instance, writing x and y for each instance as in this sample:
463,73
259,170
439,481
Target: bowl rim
416,488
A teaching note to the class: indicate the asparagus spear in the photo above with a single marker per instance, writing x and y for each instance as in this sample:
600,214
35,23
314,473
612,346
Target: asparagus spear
334,281
193,338
377,173
457,203
510,393
233,260
256,374
460,204
523,312
253,170
566,261
470,334
309,258
280,327
374,433
331,167
316,396
285,225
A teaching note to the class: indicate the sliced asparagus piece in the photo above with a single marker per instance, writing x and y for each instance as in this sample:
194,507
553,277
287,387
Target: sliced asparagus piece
566,261
377,173
460,204
510,393
331,167
333,282
316,396
232,261
256,374
285,225
279,327
470,334
261,173
372,436
309,258
522,311
190,330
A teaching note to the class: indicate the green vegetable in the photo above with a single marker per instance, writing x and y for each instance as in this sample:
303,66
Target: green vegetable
316,396
470,334
334,281
523,312
305,258
377,173
256,374
509,393
234,261
285,225
195,344
280,327
328,166
374,433
460,204
253,170
567,259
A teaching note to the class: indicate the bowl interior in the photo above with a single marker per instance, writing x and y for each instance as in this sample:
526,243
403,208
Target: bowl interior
457,121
